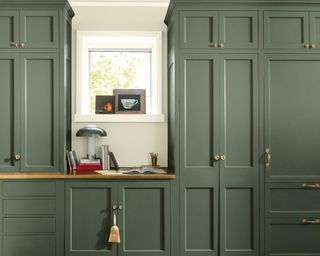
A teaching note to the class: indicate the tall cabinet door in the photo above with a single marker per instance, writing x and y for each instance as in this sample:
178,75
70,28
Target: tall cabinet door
39,110
9,111
9,29
199,143
239,176
292,92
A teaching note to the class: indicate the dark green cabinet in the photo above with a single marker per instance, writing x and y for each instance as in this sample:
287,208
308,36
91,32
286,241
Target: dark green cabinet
144,220
9,28
219,159
218,29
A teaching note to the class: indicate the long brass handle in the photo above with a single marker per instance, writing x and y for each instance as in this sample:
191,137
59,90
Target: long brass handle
304,185
305,221
267,159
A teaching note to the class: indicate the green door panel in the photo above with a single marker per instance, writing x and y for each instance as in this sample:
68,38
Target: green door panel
29,207
9,28
286,29
40,115
288,236
144,218
89,218
291,199
29,188
199,143
28,225
39,28
9,112
315,29
238,29
239,176
292,120
198,29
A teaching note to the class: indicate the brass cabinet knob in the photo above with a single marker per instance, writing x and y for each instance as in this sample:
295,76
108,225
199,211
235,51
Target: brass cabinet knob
223,157
217,157
306,46
14,44
312,46
22,45
116,207
221,45
17,157
213,45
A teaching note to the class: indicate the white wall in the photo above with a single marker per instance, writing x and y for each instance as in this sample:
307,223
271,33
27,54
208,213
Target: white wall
131,142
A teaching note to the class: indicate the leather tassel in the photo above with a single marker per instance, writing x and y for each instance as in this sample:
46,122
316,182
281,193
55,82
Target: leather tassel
114,236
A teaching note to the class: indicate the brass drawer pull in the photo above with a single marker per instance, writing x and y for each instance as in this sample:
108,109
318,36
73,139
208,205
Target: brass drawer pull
305,221
304,185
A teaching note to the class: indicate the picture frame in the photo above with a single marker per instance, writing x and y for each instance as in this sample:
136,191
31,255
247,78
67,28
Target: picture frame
105,104
130,101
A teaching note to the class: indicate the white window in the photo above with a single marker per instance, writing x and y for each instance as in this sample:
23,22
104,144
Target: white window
118,60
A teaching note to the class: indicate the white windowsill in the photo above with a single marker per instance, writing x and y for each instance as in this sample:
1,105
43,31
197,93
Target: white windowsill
119,118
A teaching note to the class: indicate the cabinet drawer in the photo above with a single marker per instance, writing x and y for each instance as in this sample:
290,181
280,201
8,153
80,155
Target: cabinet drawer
284,199
29,225
29,245
23,188
291,237
29,207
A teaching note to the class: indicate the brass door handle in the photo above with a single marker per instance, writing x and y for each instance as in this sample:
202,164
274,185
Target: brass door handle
305,221
213,45
223,157
267,158
304,185
216,157
17,157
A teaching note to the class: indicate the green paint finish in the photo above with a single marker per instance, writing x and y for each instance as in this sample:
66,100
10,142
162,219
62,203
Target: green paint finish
40,121
9,28
29,188
198,29
144,219
238,29
39,29
89,218
35,245
290,237
315,29
29,207
28,225
9,111
292,89
286,29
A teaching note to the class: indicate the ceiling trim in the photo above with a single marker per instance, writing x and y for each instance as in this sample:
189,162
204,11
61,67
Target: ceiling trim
120,3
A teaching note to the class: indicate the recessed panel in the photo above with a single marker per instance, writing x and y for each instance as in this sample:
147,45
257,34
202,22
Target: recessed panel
143,220
239,219
239,112
29,188
199,219
6,30
29,207
199,112
29,225
90,217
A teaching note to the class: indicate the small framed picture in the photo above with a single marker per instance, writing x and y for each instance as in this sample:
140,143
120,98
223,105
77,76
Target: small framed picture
105,104
130,101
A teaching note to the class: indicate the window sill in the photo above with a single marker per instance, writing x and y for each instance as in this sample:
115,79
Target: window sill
120,118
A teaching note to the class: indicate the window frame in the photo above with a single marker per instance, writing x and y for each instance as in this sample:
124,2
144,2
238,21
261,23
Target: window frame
121,40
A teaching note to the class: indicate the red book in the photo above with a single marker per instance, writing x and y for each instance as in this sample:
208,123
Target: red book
88,167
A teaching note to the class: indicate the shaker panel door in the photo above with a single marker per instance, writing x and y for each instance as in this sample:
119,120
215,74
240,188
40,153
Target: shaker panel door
9,112
9,29
315,29
292,92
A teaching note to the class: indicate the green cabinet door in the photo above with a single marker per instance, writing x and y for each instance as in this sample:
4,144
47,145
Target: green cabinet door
315,29
199,143
39,112
9,29
198,29
9,111
89,218
144,218
39,29
238,29
292,120
239,176
286,29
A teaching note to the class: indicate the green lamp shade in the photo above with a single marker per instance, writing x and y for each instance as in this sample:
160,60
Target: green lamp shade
91,132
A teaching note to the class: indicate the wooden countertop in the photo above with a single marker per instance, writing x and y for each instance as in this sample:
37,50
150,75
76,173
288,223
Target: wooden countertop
60,176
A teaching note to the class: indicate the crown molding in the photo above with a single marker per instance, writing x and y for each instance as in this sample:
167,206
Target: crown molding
120,3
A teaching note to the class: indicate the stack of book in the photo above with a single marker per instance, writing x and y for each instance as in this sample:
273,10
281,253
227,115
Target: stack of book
88,166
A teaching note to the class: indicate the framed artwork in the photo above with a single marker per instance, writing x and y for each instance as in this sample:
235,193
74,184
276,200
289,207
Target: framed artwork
105,104
130,101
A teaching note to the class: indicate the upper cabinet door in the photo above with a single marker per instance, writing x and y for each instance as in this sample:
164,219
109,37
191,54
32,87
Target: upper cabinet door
9,29
198,29
286,29
292,116
238,29
39,29
315,30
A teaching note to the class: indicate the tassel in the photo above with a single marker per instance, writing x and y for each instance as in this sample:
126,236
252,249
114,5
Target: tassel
114,236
